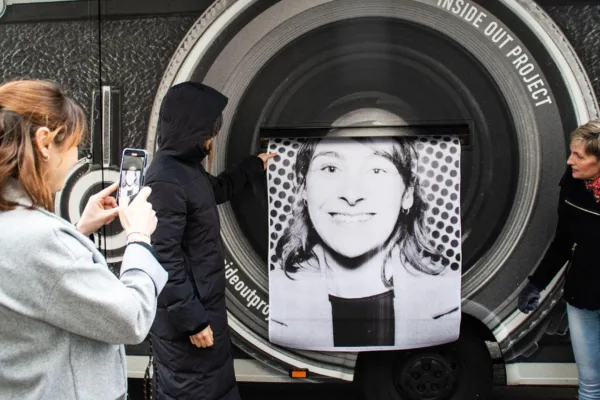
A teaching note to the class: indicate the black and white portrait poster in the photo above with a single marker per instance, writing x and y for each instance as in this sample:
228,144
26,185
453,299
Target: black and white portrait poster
364,243
131,173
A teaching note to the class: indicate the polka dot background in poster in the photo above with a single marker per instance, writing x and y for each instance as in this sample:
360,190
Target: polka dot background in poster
438,172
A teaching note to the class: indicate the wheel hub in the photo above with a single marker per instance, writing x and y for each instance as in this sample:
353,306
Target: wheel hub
429,376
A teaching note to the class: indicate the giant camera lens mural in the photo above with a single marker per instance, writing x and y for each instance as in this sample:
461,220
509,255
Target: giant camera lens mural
502,67
294,64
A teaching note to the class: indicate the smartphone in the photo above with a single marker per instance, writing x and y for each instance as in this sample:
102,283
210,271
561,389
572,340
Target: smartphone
132,173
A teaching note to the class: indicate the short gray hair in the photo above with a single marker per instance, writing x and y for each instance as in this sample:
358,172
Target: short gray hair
589,135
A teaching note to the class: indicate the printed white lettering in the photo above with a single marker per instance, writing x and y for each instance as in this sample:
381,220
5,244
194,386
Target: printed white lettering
535,94
458,6
230,272
526,69
464,9
252,294
491,28
253,301
520,60
535,85
547,101
508,39
515,51
471,14
527,80
479,19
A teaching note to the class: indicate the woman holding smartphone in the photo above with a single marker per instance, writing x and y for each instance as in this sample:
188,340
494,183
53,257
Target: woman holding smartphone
65,316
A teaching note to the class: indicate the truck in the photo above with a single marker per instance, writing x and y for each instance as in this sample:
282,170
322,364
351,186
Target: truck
522,74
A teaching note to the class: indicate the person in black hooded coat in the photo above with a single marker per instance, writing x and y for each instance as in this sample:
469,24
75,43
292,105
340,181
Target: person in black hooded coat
190,336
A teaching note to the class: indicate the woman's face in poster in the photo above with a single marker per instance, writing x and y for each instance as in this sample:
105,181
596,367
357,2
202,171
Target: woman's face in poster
130,176
354,195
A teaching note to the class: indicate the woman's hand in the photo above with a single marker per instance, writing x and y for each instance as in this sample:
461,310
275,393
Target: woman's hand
101,209
138,218
529,298
265,157
203,339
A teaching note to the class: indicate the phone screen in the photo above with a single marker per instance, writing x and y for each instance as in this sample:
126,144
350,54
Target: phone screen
132,168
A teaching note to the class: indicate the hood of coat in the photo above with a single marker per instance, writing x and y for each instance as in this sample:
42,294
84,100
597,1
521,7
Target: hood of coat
187,115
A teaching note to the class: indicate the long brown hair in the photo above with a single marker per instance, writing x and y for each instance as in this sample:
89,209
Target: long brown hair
26,106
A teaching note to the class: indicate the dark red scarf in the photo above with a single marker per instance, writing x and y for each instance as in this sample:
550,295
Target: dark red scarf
594,188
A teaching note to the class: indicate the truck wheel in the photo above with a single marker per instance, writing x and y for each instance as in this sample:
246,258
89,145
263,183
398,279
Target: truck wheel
461,370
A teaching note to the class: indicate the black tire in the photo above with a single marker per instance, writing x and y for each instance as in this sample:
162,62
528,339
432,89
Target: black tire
461,370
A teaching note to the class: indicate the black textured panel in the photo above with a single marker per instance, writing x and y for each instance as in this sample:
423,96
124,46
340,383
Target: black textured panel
66,52
580,24
135,53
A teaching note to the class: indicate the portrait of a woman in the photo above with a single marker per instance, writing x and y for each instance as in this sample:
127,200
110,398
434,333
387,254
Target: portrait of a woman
130,184
356,265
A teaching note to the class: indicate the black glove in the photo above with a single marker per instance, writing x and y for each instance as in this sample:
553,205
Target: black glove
529,298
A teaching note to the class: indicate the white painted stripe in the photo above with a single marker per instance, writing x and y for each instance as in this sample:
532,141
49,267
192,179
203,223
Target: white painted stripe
245,370
541,374
255,371
136,366
11,2
518,374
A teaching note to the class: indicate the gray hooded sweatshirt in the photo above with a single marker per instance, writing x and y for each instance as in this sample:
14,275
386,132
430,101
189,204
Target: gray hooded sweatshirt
64,317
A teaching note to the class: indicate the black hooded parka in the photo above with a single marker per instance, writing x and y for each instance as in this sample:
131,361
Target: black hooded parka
188,245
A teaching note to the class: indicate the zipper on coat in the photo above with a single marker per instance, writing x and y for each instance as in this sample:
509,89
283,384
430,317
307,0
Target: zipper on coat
582,209
571,260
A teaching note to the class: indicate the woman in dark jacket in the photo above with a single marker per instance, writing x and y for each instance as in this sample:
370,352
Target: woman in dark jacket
577,240
190,337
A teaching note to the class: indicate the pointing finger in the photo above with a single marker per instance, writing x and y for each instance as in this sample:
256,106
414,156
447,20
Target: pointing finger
143,194
111,212
123,202
107,191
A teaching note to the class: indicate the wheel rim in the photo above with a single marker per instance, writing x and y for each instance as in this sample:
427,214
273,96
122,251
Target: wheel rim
427,376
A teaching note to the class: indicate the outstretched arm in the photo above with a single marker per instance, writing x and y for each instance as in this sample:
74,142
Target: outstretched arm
233,180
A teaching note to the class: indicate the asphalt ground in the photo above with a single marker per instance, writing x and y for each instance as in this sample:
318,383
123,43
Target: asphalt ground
304,391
